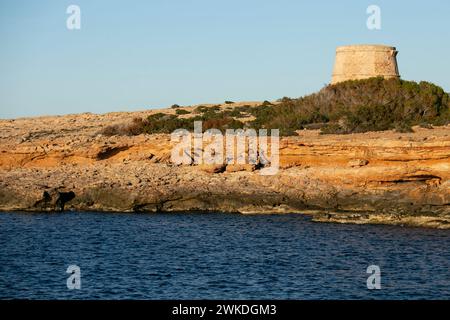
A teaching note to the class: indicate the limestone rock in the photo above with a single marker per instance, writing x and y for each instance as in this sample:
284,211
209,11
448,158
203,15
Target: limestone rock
64,164
212,168
358,163
241,167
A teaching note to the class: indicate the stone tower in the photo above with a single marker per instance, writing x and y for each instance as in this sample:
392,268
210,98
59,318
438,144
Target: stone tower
365,61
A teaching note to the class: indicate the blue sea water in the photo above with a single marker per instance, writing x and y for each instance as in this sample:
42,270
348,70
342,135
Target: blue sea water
216,256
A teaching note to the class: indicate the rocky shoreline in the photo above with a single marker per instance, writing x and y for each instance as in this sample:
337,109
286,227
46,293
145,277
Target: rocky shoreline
63,163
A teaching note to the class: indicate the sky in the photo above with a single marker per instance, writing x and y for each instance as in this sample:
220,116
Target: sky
135,55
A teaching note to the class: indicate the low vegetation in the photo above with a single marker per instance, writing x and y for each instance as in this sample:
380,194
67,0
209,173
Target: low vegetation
182,111
359,106
374,104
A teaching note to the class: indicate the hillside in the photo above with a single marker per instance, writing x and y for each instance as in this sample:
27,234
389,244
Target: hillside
348,107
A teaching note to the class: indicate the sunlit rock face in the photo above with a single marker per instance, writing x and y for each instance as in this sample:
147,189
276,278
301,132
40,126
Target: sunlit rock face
63,163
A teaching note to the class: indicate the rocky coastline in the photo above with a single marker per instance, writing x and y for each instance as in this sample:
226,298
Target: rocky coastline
58,163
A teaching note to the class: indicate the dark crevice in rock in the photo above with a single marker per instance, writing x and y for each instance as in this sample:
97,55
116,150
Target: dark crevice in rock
63,198
54,200
44,202
110,152
419,177
414,178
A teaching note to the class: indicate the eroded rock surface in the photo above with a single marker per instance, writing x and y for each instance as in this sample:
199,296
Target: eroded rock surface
63,163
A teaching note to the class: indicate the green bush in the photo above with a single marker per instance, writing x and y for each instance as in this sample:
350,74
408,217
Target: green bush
205,109
236,113
167,123
333,128
359,106
182,111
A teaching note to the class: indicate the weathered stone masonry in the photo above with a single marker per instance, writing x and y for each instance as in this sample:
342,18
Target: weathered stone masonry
365,61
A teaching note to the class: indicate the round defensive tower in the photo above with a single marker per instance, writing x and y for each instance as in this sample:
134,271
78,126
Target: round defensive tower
365,61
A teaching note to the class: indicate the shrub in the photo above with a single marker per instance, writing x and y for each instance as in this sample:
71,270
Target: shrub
111,130
182,111
222,124
132,129
203,109
167,123
403,128
358,106
236,113
333,128
175,106
200,109
207,111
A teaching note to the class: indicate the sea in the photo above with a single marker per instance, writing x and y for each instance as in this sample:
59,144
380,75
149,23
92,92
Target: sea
90,255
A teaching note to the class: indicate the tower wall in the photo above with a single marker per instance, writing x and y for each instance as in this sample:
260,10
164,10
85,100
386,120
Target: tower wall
365,61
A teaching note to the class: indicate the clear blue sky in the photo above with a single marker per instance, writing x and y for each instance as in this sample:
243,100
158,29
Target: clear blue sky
132,55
